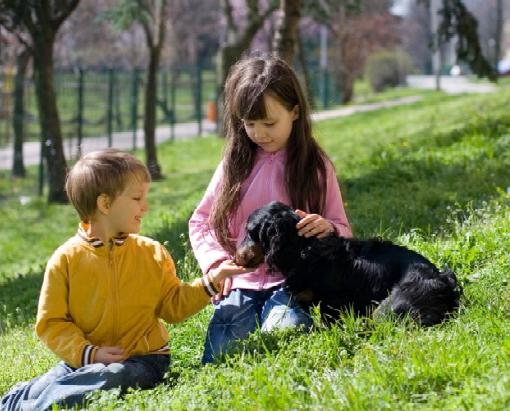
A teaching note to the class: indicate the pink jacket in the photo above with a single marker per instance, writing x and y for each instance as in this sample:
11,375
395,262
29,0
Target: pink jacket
265,183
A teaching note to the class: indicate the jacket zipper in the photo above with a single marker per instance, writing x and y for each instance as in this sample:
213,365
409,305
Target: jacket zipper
114,293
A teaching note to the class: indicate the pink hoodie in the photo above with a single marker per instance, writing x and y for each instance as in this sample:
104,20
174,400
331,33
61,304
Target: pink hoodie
265,183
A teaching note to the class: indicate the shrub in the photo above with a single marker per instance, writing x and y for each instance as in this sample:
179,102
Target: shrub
387,68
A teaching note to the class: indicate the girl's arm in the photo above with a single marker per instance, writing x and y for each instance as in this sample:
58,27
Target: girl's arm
206,248
333,218
334,208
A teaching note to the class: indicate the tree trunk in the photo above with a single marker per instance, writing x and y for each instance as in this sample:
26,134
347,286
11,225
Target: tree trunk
347,89
149,125
22,60
498,35
306,74
285,39
49,117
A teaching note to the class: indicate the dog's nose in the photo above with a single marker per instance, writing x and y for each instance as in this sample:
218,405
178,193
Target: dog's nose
249,257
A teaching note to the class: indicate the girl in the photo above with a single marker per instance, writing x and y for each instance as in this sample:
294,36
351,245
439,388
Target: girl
270,154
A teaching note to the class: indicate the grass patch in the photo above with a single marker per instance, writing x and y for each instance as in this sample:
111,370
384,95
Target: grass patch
434,176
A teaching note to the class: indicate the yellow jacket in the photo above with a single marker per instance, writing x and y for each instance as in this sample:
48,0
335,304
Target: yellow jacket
112,295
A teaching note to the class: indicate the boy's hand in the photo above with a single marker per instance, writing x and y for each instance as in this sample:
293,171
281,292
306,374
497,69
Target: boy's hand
225,287
221,277
313,225
108,355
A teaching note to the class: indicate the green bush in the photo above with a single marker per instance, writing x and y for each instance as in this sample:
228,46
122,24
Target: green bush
387,68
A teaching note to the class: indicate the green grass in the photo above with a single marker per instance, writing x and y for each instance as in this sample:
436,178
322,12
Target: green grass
434,176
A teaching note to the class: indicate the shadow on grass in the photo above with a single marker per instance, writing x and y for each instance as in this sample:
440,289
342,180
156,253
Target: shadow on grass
419,187
19,297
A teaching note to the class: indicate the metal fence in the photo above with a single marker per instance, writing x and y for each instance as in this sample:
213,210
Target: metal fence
103,102
100,103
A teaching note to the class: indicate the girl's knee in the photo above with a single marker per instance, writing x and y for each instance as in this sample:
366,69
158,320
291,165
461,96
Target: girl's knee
280,317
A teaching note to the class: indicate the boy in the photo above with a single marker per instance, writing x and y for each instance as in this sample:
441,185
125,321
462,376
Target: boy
105,289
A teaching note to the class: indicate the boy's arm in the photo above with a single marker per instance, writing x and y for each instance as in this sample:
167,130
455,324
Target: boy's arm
206,248
179,300
54,324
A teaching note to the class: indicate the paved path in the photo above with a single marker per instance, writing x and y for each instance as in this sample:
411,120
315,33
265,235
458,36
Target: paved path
124,140
450,84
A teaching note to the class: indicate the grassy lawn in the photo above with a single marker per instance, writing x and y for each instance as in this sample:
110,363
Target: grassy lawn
434,176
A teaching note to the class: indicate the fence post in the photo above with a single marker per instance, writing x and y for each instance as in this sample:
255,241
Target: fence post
324,87
40,190
79,117
134,105
198,97
173,86
109,118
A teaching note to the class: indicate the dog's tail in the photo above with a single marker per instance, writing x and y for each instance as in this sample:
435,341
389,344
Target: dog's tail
427,295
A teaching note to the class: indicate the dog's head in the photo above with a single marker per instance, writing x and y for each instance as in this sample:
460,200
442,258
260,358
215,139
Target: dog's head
269,230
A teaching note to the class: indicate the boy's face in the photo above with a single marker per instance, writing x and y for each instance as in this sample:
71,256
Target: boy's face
272,133
127,209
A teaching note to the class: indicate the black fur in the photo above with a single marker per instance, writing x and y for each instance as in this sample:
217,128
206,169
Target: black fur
342,273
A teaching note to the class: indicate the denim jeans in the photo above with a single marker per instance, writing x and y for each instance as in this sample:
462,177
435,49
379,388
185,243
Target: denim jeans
242,311
67,386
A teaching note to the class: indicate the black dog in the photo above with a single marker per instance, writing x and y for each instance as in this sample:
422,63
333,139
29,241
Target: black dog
342,273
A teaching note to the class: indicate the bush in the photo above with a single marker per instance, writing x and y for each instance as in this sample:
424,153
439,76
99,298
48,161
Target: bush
387,68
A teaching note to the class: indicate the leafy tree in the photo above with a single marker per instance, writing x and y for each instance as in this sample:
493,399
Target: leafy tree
152,16
23,54
286,38
42,20
457,22
357,28
238,38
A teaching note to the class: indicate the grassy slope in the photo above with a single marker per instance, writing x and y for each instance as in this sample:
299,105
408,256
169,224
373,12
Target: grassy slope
434,176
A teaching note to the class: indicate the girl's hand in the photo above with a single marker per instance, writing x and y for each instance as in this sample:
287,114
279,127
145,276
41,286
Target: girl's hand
313,225
108,355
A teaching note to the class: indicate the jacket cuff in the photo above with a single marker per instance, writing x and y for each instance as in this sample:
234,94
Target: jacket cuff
88,355
209,286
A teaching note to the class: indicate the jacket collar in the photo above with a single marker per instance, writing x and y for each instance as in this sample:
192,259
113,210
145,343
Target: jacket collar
96,242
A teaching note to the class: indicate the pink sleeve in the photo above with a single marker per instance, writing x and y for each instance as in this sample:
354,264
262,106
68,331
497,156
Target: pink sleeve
206,248
334,210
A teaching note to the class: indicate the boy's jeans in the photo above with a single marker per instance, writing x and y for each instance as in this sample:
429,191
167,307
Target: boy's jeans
242,311
67,386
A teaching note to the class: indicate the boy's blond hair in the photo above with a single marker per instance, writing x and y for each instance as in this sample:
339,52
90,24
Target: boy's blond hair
101,172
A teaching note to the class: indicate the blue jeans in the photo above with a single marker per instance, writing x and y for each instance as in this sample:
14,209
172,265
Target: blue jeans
242,311
67,386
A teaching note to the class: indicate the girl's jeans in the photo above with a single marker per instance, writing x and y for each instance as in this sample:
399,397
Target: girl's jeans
67,386
242,311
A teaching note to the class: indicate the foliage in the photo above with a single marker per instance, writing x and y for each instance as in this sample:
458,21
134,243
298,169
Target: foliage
457,22
433,176
387,68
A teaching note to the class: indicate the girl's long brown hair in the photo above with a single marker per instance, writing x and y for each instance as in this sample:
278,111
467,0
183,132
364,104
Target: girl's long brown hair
245,86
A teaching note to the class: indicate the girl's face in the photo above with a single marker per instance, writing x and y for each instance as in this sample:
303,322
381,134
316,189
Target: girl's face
272,133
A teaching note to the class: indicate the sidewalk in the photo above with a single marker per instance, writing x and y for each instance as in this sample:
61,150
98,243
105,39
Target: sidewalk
450,84
124,140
